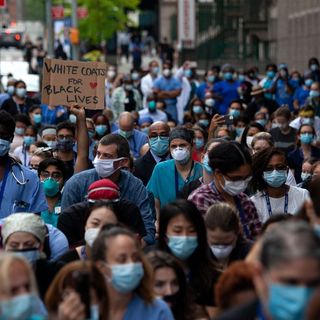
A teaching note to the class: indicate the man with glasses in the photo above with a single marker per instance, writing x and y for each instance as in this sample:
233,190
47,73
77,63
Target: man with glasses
159,151
52,174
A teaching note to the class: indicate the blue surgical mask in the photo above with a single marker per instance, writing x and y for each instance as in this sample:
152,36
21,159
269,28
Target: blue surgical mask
314,94
50,144
187,73
199,143
21,92
91,134
126,134
31,255
314,67
306,138
155,70
145,130
126,277
10,90
204,122
19,131
308,82
228,76
73,118
159,145
18,308
316,229
288,302
37,118
270,74
275,178
239,131
101,129
152,105
4,147
235,113
206,165
197,109
307,121
182,247
211,79
263,122
29,140
241,78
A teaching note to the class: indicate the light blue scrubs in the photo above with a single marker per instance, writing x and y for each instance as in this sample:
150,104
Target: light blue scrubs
162,182
17,197
157,310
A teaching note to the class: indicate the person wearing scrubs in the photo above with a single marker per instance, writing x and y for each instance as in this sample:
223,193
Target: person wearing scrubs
20,189
171,176
52,174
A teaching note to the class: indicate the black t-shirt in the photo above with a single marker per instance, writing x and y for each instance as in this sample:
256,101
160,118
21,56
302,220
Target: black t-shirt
285,142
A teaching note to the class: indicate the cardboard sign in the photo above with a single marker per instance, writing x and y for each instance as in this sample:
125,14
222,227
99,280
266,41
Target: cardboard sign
67,82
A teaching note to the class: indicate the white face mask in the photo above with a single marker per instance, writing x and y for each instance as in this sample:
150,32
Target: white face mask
90,235
181,155
249,141
111,74
167,72
105,167
235,187
209,102
305,176
222,252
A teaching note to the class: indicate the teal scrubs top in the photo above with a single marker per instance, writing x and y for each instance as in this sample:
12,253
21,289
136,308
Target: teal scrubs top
52,217
163,182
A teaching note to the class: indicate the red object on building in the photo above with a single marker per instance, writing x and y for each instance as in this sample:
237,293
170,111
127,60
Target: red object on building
82,12
3,3
57,12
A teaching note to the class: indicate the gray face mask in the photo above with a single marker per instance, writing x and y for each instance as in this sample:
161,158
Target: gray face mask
31,255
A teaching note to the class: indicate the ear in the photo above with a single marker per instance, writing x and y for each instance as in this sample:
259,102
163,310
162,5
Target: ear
104,269
124,163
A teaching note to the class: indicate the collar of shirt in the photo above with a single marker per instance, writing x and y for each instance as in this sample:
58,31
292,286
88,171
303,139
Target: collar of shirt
157,158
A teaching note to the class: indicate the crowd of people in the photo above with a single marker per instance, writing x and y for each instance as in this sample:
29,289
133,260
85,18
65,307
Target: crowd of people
182,198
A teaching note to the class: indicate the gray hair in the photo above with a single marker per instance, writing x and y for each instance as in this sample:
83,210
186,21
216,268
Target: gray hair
288,241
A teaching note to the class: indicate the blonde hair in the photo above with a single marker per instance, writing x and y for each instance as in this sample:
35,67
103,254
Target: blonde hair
6,262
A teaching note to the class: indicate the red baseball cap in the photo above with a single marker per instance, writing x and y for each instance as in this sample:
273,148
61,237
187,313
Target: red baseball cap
103,189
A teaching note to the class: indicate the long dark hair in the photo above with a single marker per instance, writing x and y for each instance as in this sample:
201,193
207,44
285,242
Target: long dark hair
202,268
257,125
260,162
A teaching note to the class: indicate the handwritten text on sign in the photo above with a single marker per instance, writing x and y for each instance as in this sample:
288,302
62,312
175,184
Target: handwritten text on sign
67,82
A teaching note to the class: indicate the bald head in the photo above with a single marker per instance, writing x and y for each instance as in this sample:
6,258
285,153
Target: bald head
159,128
126,121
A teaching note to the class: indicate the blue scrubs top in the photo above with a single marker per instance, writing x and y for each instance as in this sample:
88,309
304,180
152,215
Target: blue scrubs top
157,310
228,91
28,197
162,182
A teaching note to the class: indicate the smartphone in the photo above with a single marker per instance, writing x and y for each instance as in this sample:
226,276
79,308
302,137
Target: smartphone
81,281
228,119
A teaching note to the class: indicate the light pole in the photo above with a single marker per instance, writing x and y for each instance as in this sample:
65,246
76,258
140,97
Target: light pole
49,28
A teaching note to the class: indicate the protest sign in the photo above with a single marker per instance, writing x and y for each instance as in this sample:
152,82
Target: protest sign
67,82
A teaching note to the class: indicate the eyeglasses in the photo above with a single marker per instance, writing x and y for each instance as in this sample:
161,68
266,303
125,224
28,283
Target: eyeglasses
279,167
53,175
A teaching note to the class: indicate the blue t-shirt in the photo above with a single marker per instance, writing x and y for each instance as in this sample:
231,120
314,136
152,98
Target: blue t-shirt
202,90
171,84
228,91
162,182
50,116
17,197
301,95
282,96
138,309
136,142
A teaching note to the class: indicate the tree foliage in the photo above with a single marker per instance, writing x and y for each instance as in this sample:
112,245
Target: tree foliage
104,18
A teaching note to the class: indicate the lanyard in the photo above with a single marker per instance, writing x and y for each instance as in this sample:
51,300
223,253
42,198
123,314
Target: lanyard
4,181
286,200
83,254
240,210
176,178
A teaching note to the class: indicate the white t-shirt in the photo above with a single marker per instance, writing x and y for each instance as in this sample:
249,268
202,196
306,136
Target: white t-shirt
296,198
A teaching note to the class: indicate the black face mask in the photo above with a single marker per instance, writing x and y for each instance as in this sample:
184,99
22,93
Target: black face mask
172,299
